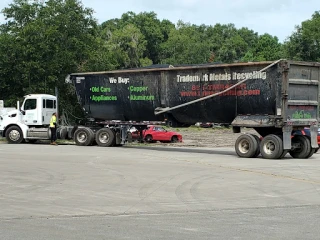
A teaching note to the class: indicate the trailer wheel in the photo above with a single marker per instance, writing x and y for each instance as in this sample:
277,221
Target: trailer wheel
258,145
313,150
271,147
302,147
14,135
246,146
83,136
105,137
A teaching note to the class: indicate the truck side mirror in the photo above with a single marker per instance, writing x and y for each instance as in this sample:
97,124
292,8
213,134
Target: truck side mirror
23,112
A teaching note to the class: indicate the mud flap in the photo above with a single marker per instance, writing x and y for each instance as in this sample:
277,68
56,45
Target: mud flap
313,135
287,130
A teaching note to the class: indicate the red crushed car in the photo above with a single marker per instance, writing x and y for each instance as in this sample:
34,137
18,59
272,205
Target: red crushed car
157,133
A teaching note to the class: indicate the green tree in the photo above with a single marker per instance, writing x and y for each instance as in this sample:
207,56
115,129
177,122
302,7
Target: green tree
304,43
201,44
228,43
155,32
185,45
45,41
249,36
11,87
127,46
267,48
232,49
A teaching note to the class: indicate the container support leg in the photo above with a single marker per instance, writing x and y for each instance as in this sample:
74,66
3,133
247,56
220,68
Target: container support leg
124,133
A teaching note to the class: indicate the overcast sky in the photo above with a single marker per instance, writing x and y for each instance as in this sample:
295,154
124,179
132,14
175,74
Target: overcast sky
276,17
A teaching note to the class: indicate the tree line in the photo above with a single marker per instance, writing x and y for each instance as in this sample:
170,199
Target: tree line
43,41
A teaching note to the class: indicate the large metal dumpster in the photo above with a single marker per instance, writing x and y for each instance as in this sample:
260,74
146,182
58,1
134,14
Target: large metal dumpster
271,97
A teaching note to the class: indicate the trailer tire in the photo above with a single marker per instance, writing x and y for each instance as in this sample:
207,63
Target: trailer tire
313,151
271,147
305,151
246,146
83,136
14,135
258,145
105,137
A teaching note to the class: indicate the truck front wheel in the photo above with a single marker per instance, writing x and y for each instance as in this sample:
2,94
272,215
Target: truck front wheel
14,135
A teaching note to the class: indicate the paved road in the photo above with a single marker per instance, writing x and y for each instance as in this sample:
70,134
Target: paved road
70,192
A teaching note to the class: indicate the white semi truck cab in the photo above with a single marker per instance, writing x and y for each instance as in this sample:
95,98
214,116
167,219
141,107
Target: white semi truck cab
31,121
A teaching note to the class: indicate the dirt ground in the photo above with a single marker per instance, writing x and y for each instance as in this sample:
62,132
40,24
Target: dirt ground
206,137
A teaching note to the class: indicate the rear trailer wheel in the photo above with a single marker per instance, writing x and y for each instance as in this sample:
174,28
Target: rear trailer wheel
302,147
14,135
271,147
312,151
83,136
258,145
246,146
105,137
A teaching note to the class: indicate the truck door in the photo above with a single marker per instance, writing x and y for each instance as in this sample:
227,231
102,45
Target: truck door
49,107
31,115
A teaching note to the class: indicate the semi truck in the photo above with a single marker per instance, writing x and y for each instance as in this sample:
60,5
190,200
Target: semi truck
276,99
